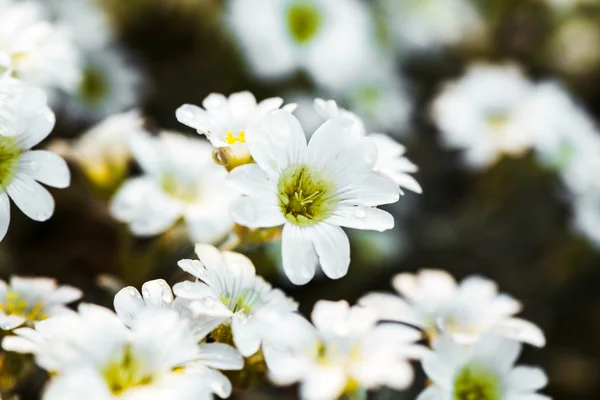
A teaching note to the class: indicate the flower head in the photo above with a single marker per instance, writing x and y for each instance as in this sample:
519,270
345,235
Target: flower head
432,301
312,190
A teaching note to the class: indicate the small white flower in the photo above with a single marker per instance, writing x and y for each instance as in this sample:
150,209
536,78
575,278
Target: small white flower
432,301
95,354
39,52
232,294
485,370
27,300
345,351
180,180
483,114
390,154
225,121
21,168
312,190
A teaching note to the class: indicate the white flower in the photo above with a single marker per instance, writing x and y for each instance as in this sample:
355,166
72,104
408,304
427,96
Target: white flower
429,24
94,355
432,301
225,122
483,114
232,294
39,52
21,168
346,351
390,154
27,300
180,180
486,370
311,190
331,41
586,218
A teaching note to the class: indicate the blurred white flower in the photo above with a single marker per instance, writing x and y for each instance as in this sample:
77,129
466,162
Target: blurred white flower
231,294
390,154
583,58
344,352
331,41
432,301
180,180
311,190
39,52
586,218
92,354
225,122
482,113
27,300
27,122
485,370
430,24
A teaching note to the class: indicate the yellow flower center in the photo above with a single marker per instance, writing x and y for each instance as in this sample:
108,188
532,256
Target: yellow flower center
304,21
9,160
125,372
15,304
475,382
177,189
230,138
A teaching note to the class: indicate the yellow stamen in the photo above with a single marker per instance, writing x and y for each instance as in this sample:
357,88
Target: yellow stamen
230,138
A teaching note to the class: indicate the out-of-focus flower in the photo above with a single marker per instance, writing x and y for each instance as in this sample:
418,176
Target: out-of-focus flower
231,293
390,154
483,114
333,44
21,168
580,59
39,52
179,180
27,300
430,24
485,371
432,301
586,218
225,122
344,352
312,190
95,354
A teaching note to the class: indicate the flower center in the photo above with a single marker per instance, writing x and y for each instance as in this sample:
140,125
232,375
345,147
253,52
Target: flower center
15,304
306,196
9,160
177,189
498,120
474,382
244,302
304,21
125,372
93,86
230,138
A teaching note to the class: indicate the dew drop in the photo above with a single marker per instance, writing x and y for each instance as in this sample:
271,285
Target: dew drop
133,292
360,213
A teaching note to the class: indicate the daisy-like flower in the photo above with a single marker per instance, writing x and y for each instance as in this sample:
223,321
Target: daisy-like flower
21,168
483,114
333,44
39,53
312,190
432,301
390,154
180,180
27,300
231,294
225,121
486,370
95,354
344,352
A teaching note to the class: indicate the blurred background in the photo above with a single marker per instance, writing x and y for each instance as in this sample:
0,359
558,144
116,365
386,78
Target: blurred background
515,220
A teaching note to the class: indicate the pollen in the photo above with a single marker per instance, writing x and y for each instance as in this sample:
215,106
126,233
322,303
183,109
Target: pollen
230,138
15,304
476,382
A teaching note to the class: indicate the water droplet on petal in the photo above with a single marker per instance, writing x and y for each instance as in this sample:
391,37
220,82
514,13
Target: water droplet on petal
360,213
133,292
208,302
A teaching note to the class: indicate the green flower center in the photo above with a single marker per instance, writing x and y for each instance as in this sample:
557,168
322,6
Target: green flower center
304,21
474,382
9,160
125,372
306,196
93,87
15,304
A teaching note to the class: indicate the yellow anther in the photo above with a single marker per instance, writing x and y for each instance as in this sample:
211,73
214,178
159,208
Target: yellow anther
230,138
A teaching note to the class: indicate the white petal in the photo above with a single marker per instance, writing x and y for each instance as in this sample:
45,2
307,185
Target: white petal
362,217
9,322
193,116
428,282
332,140
128,303
526,379
45,167
333,249
31,198
4,214
245,335
390,307
498,351
323,383
157,293
65,294
221,356
251,180
18,344
298,254
255,212
521,330
371,190
37,130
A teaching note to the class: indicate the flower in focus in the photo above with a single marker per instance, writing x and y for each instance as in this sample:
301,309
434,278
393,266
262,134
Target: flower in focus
179,180
96,354
225,122
229,292
21,169
345,352
390,154
27,300
312,190
432,301
484,371
483,114
39,52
